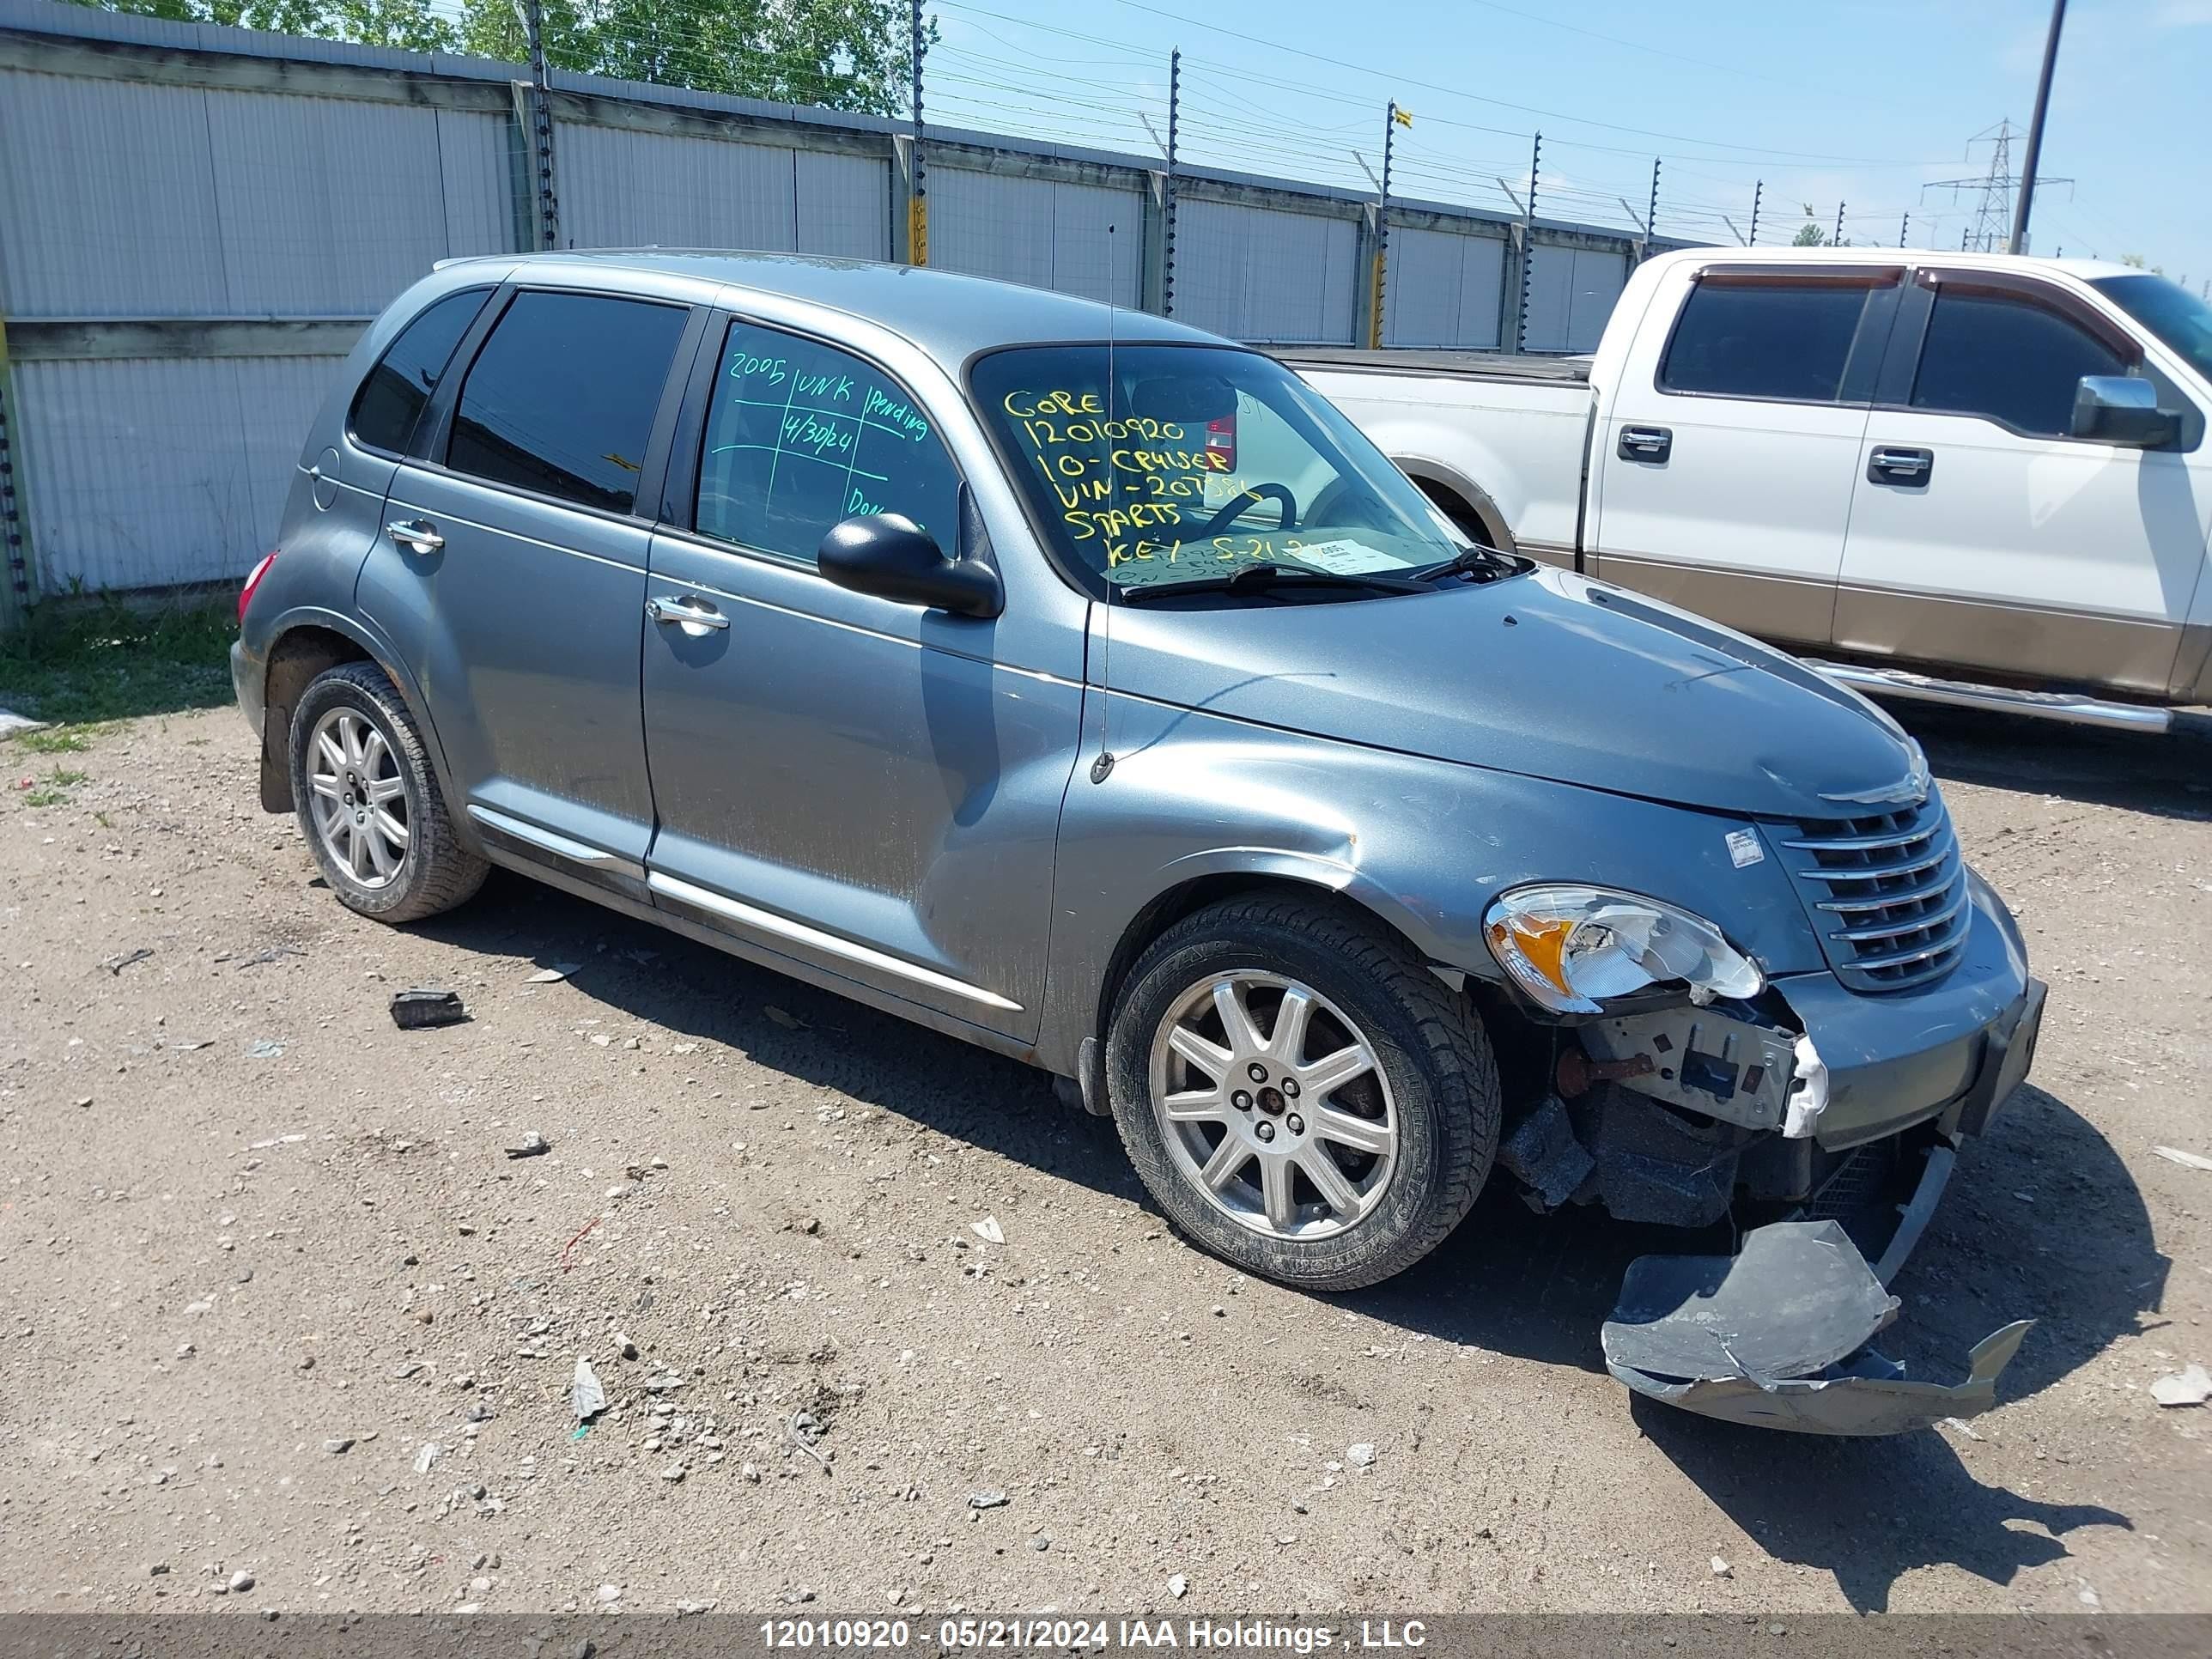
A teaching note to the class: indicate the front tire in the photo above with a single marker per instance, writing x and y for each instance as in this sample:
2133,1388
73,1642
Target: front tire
1301,1096
369,804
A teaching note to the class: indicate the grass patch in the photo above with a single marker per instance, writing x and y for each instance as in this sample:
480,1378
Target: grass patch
77,663
56,740
52,790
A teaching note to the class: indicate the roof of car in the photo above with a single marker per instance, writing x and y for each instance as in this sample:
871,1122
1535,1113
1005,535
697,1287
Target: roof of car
2087,270
949,315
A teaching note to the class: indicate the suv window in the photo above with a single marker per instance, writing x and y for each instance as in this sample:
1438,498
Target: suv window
561,399
399,388
1765,339
800,435
2009,359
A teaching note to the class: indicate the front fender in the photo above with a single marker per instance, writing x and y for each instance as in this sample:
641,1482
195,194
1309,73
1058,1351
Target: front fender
1423,845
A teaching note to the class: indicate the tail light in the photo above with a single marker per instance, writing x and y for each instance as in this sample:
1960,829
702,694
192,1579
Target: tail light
1221,444
253,581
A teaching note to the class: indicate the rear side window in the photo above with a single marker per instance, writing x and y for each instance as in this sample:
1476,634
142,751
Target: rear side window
1764,340
800,434
2008,359
561,399
399,388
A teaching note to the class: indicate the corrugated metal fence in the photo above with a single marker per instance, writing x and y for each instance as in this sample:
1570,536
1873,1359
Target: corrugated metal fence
196,222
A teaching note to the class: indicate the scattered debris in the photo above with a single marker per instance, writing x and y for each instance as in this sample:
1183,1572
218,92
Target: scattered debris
1962,1426
191,1045
339,1444
577,1239
533,1145
2187,1160
988,1229
804,1430
241,1582
2192,1387
624,1346
269,955
586,1398
673,1473
267,1049
117,964
1178,1586
611,1593
273,1140
1721,1569
1361,1457
987,1498
554,974
420,1009
788,1021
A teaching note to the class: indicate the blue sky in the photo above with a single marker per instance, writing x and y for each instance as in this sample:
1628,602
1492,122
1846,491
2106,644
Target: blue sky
1860,102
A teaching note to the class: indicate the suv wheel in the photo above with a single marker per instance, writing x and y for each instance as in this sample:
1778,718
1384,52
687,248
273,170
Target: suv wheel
370,804
1300,1094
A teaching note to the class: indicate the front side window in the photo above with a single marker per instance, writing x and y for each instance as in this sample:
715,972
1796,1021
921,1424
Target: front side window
398,390
1765,339
2169,311
800,435
2007,359
1151,466
561,399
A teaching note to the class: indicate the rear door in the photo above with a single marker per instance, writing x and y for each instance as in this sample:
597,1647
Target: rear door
1985,537
1724,469
510,573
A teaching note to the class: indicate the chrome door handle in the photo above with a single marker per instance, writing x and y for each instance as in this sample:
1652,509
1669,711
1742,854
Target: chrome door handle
418,533
690,613
1645,443
1885,464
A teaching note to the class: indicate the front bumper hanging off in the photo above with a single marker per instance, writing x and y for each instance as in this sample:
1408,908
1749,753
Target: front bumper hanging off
1779,1335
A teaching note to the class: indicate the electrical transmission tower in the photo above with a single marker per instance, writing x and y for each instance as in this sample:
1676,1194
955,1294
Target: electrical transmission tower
1999,189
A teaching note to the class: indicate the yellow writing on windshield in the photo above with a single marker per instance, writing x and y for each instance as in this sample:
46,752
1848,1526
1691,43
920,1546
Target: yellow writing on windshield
1112,475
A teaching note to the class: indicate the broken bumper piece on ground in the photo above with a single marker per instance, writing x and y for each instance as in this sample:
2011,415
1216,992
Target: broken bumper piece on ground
1777,1337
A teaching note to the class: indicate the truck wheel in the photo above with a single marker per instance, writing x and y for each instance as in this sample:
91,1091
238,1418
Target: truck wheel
1301,1096
370,804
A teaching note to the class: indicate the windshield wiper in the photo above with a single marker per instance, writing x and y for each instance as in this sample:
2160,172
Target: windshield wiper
1263,576
1465,561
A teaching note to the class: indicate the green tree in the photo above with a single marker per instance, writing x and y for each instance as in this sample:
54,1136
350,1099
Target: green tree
1811,236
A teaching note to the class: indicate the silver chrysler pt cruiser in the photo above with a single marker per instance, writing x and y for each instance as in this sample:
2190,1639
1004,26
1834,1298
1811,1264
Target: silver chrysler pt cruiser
1087,687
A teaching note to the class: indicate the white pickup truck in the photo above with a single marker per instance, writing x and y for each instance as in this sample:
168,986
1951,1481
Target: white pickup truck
1963,477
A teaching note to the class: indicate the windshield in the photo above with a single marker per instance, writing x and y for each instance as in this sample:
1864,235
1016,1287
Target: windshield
2180,320
1196,462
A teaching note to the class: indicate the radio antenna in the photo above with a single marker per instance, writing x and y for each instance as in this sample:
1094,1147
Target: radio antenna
1103,765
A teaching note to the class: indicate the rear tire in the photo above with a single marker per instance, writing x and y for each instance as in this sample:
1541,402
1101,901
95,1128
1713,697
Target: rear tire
1303,1098
369,803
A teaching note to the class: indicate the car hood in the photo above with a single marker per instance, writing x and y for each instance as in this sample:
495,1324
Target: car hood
1548,675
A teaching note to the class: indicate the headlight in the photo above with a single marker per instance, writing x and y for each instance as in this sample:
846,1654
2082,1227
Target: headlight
1572,948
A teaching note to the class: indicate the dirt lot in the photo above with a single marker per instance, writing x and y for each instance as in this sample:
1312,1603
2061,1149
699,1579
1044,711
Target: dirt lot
242,1290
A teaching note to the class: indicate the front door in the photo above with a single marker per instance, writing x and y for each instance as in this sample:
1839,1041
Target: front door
1985,537
1723,464
866,787
510,575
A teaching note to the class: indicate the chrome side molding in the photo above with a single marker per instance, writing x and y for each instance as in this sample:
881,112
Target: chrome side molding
757,920
2066,706
560,847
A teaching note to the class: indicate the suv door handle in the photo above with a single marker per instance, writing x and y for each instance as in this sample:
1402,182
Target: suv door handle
418,533
1887,463
1646,443
690,613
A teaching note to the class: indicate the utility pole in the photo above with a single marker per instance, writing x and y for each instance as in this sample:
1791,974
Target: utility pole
1903,226
1174,111
1651,214
2018,243
1996,187
1733,231
1758,190
1374,298
917,207
1528,244
1837,240
541,126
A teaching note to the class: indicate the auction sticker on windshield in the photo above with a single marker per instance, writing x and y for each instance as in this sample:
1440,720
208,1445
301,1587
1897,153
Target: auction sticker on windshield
1344,556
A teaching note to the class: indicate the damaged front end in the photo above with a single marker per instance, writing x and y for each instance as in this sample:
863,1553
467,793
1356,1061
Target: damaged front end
1802,1119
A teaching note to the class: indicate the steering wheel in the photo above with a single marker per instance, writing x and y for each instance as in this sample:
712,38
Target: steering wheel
1231,510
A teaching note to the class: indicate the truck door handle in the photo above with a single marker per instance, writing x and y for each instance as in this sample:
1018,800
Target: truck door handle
1889,465
685,612
418,533
1646,443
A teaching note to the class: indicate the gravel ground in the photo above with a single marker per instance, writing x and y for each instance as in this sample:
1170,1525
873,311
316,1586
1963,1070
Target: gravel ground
274,1302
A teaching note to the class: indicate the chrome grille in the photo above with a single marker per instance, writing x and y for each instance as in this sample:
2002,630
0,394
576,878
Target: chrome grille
1887,893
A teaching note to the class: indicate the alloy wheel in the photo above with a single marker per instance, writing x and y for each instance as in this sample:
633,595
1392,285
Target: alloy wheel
359,798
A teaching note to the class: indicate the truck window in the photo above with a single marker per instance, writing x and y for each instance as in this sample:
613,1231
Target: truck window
1764,339
561,399
399,388
2007,359
800,435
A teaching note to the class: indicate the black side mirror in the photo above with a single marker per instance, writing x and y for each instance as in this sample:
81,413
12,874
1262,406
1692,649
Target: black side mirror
2118,408
892,557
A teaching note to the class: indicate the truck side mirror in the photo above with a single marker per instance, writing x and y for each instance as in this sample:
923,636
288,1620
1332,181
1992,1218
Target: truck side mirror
2118,408
892,557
